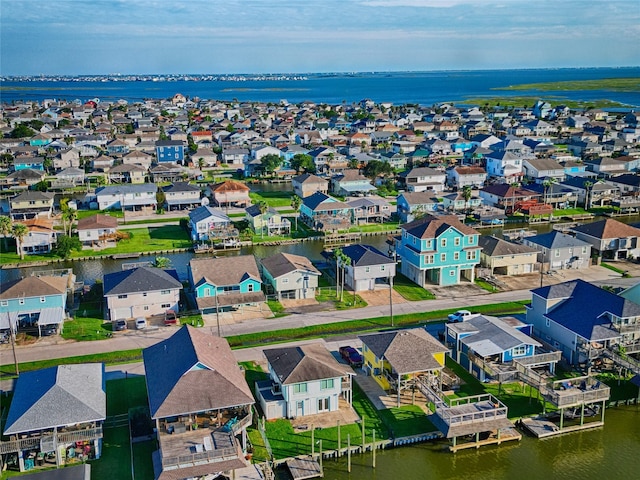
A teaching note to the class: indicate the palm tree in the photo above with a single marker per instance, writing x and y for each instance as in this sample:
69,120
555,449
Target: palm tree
19,231
69,215
546,184
5,229
467,193
342,260
162,262
296,201
264,208
588,186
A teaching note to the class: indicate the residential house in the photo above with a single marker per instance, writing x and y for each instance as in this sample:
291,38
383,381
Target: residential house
235,156
226,283
292,277
57,412
31,204
504,166
127,174
138,158
400,360
169,172
421,179
200,404
41,237
230,193
102,163
132,198
591,191
455,202
610,238
367,268
484,344
539,169
411,205
141,292
508,197
307,184
606,166
23,178
506,258
206,223
557,250
271,222
303,380
582,319
117,148
351,183
169,151
438,250
67,158
98,230
370,209
460,177
23,162
182,196
35,302
68,178
206,157
322,212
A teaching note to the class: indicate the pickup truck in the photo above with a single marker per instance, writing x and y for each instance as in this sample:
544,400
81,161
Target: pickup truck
460,316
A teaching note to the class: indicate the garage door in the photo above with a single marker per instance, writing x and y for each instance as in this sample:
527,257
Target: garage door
124,312
556,264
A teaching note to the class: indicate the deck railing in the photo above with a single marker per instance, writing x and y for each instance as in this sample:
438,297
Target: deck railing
449,416
62,438
215,456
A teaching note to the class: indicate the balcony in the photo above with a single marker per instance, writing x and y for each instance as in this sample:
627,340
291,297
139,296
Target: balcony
48,437
575,392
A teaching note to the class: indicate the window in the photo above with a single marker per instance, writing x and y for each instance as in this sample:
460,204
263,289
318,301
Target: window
382,268
471,255
323,404
519,351
452,273
326,384
548,323
250,287
456,255
146,307
300,388
443,242
285,280
207,292
557,252
21,301
456,241
122,296
4,303
584,250
367,269
443,257
428,259
165,292
43,299
144,294
165,305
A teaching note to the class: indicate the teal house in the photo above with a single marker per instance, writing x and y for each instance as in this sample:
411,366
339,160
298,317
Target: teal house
438,250
226,283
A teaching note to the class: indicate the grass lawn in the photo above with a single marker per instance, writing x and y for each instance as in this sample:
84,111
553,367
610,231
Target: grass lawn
406,420
195,320
329,295
149,239
86,328
142,462
376,227
277,308
569,211
409,290
485,285
613,268
273,199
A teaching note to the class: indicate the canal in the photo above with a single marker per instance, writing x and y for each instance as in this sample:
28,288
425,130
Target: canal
610,452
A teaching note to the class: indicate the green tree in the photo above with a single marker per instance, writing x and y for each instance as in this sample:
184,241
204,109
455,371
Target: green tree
271,162
5,229
264,208
19,231
21,131
69,216
305,162
162,262
342,260
375,168
65,245
162,135
36,124
296,201
128,129
467,193
161,198
192,146
547,182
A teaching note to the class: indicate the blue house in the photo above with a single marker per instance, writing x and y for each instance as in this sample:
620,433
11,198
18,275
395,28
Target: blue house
35,302
34,163
322,212
226,283
483,342
414,204
170,151
438,250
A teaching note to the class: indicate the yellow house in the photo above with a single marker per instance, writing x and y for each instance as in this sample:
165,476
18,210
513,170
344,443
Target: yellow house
401,359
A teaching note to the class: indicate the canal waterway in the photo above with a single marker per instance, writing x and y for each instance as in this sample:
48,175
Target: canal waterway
610,452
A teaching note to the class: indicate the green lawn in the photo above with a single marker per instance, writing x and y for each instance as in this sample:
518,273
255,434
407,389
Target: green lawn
277,308
485,285
613,268
406,420
409,290
142,461
347,302
146,240
568,212
273,199
376,227
82,329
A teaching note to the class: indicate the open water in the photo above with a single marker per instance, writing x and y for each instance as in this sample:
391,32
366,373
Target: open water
425,88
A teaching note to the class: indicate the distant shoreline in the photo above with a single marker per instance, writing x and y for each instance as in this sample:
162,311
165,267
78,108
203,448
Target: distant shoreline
607,84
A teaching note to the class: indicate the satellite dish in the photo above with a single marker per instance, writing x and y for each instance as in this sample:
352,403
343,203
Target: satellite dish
204,202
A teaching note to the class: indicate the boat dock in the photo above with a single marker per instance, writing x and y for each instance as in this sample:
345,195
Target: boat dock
302,468
540,427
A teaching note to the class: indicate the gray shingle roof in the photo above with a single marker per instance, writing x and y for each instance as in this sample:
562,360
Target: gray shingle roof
407,351
304,363
224,270
193,371
141,279
366,255
57,396
556,239
496,247
283,263
200,213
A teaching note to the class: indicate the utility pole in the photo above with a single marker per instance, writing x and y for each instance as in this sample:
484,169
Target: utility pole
13,346
391,297
218,313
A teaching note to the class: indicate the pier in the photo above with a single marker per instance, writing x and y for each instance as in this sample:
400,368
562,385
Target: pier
302,468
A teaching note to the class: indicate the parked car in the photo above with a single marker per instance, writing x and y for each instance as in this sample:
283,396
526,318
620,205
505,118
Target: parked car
141,323
351,356
48,330
459,316
170,318
119,325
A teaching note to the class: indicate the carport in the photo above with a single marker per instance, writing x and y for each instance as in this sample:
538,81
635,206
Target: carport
51,316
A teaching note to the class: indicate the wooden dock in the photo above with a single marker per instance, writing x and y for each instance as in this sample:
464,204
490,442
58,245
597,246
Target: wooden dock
495,438
540,427
304,467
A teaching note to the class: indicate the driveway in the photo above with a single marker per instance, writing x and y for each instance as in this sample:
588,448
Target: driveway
380,297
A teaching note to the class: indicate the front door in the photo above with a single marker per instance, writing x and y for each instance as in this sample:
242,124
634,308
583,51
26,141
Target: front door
323,404
300,408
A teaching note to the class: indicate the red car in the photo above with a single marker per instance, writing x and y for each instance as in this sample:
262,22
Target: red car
351,356
170,318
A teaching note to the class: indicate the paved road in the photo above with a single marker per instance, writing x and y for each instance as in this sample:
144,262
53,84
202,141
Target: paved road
132,339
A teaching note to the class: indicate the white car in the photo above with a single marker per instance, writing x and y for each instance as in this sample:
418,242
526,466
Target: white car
141,323
459,316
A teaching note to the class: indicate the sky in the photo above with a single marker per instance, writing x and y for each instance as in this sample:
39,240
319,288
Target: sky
84,37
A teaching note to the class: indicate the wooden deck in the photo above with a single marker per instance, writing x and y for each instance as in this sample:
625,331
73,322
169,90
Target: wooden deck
540,427
305,467
496,438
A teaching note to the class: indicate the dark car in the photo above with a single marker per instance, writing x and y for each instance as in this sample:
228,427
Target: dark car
351,356
48,330
120,325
